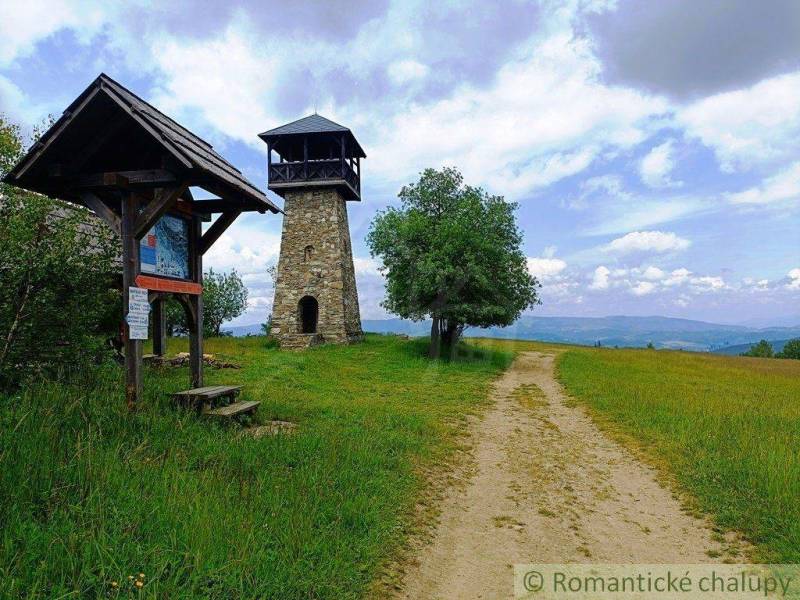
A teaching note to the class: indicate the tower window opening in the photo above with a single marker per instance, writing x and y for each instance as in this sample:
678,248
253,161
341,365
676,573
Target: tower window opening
308,253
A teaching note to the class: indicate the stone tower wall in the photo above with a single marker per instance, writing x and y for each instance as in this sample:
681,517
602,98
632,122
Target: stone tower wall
316,260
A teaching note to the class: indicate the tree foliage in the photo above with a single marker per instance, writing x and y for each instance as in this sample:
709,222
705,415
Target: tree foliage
762,349
56,293
224,298
790,350
453,253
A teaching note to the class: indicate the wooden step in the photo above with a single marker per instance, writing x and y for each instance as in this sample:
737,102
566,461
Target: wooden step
205,394
231,410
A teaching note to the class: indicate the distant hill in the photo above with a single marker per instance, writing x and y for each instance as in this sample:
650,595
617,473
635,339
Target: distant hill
243,330
663,332
777,346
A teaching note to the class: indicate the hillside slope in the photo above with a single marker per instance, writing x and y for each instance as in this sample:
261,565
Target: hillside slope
663,332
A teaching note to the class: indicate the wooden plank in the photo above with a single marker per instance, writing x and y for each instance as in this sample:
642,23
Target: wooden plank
151,177
231,410
208,392
175,286
208,389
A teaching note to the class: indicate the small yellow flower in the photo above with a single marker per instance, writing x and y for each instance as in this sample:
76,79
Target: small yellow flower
114,584
130,577
141,575
139,584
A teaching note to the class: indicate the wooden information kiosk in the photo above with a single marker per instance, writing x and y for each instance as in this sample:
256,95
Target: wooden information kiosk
133,166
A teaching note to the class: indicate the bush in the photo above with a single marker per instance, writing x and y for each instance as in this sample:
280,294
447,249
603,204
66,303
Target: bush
56,279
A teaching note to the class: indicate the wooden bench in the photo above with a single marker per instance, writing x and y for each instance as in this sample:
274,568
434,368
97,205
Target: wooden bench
216,400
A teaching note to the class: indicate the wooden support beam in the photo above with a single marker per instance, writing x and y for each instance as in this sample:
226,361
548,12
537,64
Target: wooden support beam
305,157
144,177
196,304
217,229
94,203
160,204
160,326
130,268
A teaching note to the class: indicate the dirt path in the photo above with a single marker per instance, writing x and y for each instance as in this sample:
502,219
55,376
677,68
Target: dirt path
548,487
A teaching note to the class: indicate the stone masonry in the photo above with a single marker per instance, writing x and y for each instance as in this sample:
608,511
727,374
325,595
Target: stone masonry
316,261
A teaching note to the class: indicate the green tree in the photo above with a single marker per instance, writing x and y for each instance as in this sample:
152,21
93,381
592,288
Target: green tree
224,298
453,253
790,350
762,349
55,278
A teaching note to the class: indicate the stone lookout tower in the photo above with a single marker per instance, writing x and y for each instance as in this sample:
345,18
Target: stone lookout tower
318,169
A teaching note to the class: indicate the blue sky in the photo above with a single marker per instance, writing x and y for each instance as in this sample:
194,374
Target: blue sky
652,146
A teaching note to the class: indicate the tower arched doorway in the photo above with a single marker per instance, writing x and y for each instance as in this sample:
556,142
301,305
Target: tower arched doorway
308,314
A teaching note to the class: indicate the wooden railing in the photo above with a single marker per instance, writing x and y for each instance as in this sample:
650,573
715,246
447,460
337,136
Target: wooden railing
313,170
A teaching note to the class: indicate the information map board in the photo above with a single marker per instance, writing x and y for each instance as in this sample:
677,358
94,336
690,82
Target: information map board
165,249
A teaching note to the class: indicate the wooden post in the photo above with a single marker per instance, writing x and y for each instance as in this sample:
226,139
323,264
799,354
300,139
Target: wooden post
130,269
341,169
305,157
160,327
269,162
196,303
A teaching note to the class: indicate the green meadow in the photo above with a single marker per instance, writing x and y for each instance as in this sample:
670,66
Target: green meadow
91,496
95,502
724,429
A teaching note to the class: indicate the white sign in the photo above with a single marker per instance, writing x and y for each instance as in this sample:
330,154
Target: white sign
138,311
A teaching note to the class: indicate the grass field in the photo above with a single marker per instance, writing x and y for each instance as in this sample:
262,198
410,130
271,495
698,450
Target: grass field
727,429
90,495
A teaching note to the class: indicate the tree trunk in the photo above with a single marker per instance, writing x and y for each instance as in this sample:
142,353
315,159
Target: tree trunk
436,340
450,337
12,331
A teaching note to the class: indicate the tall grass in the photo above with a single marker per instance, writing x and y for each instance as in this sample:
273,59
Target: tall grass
91,495
726,428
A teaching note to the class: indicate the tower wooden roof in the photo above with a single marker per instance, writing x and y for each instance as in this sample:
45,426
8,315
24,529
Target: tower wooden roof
309,125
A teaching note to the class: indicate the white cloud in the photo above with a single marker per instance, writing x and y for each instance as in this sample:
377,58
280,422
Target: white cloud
653,273
657,165
366,266
647,241
794,279
756,125
643,288
25,26
405,71
545,268
678,277
247,249
707,283
784,186
229,80
600,278
546,116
